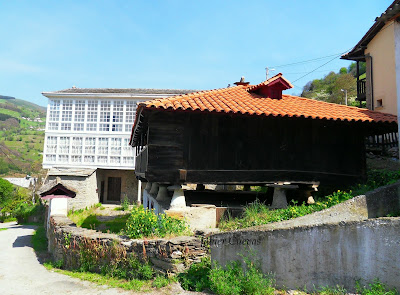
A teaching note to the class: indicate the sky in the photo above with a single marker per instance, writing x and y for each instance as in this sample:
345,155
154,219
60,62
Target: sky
54,45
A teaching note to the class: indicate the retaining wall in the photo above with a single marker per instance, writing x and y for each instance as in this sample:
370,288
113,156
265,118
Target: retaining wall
167,255
337,246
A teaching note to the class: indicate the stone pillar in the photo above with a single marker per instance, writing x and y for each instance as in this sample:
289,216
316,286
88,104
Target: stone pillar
178,199
162,195
148,186
154,189
279,200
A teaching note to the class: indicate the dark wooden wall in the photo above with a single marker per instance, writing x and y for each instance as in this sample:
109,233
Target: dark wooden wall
216,148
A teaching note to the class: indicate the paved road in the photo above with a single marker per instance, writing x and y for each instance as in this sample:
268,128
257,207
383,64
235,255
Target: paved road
22,274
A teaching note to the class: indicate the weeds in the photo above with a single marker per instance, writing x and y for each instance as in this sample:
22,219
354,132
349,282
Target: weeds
39,240
375,288
258,213
233,279
145,223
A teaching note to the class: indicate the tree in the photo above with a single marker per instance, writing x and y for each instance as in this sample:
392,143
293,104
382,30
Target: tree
6,190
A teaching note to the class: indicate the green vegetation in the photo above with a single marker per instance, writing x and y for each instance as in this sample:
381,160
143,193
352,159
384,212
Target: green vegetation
144,223
258,213
16,203
39,240
231,280
239,278
329,88
2,229
88,218
22,136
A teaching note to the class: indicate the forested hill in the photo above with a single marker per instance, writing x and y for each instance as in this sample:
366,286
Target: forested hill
22,126
330,87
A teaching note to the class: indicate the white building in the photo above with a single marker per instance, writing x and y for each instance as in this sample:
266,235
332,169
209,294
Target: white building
87,141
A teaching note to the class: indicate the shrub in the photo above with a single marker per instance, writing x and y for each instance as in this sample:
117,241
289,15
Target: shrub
145,223
231,280
196,278
375,288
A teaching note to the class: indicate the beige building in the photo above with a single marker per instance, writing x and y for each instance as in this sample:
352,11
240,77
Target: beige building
380,50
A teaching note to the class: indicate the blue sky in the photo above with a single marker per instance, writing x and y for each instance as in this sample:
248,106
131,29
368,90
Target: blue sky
53,45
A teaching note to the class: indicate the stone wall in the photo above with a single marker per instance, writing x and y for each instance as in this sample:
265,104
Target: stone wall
337,246
85,187
166,255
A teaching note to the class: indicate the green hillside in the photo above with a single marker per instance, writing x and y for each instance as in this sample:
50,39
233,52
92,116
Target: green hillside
22,126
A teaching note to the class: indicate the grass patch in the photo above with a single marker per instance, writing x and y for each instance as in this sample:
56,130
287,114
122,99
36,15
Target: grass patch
88,218
39,240
258,213
3,229
135,284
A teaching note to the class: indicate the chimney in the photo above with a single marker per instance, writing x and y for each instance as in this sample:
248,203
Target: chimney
242,82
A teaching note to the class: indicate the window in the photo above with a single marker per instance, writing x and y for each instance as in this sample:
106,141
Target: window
104,127
127,150
63,145
90,146
51,145
66,126
128,161
88,159
52,126
102,146
115,160
78,126
116,146
63,158
76,159
102,159
66,111
105,108
54,114
92,111
91,127
79,111
51,158
130,115
77,144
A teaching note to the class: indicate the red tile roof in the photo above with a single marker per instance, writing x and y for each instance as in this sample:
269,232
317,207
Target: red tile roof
241,100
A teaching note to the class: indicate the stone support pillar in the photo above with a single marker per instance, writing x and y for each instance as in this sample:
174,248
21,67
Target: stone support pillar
154,189
162,195
178,199
279,200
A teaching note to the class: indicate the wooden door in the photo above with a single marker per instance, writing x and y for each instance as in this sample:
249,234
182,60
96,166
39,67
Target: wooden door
114,189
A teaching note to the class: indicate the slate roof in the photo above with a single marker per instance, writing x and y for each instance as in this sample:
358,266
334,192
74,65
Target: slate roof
124,90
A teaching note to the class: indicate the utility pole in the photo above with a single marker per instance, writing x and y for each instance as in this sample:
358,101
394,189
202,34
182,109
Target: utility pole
345,95
267,69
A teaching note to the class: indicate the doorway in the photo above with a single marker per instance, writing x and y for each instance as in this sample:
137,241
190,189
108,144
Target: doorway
114,189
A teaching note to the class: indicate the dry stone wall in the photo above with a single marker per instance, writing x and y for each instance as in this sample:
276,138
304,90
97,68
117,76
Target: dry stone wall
166,255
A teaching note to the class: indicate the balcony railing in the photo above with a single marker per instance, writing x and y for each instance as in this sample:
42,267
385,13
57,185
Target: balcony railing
141,161
361,90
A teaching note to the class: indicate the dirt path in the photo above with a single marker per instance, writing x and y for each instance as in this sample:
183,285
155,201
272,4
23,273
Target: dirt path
21,273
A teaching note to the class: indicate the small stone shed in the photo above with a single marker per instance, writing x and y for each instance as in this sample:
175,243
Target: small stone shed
252,135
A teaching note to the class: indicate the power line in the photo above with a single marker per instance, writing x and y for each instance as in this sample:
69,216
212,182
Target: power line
320,66
307,61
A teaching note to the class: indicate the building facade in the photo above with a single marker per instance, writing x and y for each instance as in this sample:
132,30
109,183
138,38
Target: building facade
379,48
89,129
